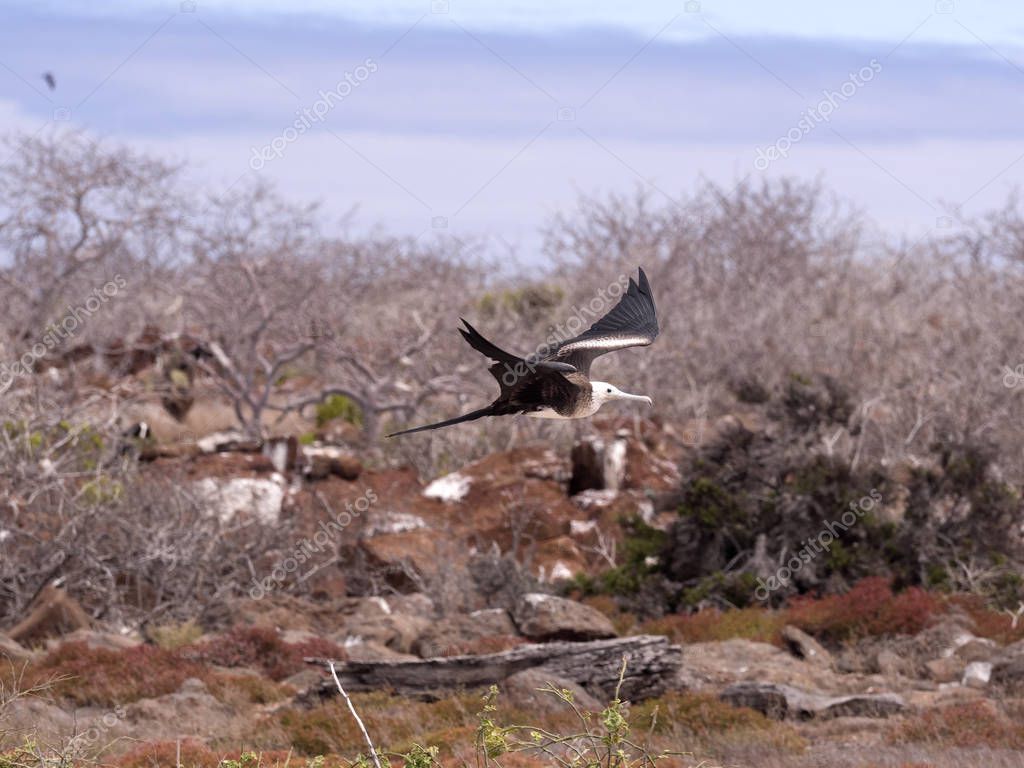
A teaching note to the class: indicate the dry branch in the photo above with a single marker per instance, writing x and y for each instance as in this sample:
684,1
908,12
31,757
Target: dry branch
595,665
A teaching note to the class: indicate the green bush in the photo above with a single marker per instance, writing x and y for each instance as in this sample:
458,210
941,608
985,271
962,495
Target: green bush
339,407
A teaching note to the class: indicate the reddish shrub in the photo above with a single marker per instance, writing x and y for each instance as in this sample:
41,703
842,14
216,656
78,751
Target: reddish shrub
263,649
232,687
196,755
759,624
988,623
104,677
330,729
155,753
972,724
869,609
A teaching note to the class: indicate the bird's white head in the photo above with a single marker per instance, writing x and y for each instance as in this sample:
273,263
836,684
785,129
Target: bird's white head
604,392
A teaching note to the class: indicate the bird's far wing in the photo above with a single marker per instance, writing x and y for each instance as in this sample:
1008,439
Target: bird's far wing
633,322
509,368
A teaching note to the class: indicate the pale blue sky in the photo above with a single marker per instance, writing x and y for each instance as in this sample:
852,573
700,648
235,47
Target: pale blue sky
996,21
461,116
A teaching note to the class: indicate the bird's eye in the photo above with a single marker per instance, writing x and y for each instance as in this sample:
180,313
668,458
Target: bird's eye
609,391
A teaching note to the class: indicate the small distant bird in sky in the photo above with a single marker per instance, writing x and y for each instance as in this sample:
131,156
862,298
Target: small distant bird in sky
557,385
50,80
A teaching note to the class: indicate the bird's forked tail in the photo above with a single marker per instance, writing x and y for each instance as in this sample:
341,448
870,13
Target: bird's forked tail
471,416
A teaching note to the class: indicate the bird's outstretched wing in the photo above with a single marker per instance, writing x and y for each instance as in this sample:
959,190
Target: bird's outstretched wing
633,322
509,368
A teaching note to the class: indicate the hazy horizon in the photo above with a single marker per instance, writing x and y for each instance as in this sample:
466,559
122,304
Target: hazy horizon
494,117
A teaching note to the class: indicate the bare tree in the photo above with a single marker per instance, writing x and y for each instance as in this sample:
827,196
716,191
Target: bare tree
73,214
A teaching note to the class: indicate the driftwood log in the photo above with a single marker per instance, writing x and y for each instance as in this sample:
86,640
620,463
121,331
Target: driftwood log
652,664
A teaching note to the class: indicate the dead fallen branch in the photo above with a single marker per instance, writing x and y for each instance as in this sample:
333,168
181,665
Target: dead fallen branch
653,664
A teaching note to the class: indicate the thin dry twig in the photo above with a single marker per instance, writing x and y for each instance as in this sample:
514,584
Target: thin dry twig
355,715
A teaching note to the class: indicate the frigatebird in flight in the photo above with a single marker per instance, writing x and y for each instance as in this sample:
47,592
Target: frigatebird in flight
557,385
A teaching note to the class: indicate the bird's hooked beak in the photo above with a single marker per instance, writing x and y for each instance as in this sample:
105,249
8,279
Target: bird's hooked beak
638,398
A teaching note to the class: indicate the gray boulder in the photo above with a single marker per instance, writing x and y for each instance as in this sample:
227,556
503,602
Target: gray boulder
450,636
805,647
781,702
546,617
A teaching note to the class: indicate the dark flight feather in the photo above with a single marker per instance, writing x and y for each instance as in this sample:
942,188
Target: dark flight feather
633,322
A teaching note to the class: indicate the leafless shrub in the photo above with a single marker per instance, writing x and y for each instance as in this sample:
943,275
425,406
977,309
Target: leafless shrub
131,546
757,287
755,284
73,213
767,282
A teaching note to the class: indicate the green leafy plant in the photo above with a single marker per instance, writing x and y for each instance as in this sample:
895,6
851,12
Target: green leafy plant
339,407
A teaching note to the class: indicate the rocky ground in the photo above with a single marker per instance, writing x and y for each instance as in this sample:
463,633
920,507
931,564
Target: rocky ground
456,582
943,697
